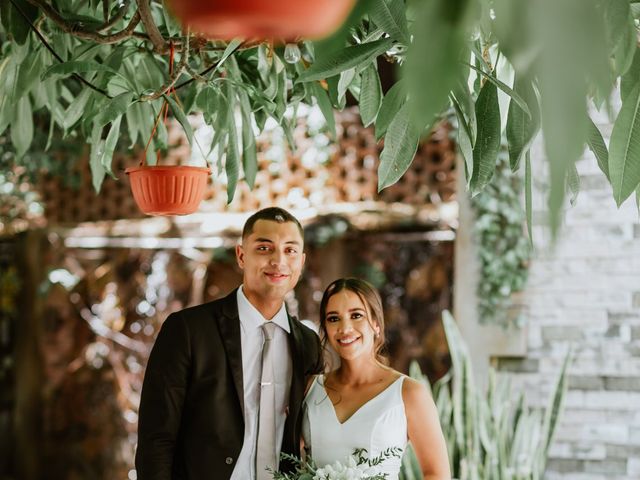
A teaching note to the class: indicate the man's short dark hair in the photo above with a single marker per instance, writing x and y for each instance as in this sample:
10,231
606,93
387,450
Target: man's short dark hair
272,214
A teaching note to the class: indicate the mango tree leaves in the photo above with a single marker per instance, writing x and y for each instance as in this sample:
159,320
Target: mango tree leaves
390,16
322,99
344,59
14,21
521,126
22,128
370,95
598,147
391,104
433,61
630,78
624,148
401,144
485,151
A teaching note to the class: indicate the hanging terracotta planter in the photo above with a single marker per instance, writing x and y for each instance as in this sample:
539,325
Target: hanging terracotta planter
285,20
168,190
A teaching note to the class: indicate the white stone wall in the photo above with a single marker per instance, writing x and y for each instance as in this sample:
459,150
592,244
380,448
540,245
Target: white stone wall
585,293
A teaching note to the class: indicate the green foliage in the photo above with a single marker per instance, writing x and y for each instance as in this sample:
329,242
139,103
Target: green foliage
495,435
94,64
503,249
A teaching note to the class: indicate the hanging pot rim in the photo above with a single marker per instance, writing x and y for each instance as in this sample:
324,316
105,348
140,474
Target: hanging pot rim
160,168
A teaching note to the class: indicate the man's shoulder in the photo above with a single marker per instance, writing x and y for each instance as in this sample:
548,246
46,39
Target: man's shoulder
222,306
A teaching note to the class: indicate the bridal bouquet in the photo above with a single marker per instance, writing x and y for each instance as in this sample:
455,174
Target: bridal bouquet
357,467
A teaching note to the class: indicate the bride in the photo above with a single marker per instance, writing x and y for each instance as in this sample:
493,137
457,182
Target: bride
364,404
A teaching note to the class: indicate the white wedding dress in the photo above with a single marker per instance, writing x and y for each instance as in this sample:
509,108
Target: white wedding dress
379,424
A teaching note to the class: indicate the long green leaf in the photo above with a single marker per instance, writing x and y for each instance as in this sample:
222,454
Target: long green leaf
370,95
13,21
110,146
391,104
181,117
624,148
95,158
521,127
625,50
115,108
485,151
76,109
433,59
522,103
232,159
464,138
553,409
528,196
322,99
632,77
573,184
401,144
69,68
616,13
344,59
598,147
22,129
249,153
390,16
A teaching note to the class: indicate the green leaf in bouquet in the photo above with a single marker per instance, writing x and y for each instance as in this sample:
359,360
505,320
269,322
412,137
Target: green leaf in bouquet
485,151
22,128
371,95
390,16
390,105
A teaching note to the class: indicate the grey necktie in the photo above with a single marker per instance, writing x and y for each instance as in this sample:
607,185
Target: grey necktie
266,447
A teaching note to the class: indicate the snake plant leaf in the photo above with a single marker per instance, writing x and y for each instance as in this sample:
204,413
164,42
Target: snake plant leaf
391,104
624,148
554,408
598,147
485,151
344,59
401,144
370,95
390,16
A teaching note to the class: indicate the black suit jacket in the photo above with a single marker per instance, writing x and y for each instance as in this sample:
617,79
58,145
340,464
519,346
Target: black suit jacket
191,423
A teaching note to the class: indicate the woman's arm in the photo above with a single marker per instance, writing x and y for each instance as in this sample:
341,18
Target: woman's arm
425,433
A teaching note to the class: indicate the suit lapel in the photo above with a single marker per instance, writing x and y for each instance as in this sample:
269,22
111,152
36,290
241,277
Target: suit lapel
229,324
295,345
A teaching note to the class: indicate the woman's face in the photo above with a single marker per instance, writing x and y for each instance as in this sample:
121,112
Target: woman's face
350,329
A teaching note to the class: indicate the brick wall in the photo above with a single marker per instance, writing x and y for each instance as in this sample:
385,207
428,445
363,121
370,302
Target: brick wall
585,292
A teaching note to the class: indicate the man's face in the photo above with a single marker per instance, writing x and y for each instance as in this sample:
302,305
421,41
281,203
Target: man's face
271,258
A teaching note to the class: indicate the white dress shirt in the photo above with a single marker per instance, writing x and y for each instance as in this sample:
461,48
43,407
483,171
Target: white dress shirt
251,341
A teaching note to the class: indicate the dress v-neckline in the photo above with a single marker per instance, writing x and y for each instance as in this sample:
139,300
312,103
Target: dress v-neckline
357,410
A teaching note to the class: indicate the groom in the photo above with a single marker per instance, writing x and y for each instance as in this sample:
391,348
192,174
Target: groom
225,381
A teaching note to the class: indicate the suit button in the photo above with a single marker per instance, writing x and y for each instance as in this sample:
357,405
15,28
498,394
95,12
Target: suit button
228,460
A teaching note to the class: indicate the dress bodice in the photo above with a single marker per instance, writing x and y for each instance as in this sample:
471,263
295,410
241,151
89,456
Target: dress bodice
379,424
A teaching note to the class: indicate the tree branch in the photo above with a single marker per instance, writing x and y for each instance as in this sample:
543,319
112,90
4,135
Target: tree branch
173,78
74,30
110,22
159,43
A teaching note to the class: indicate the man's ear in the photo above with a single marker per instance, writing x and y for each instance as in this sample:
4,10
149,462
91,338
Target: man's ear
240,256
304,257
